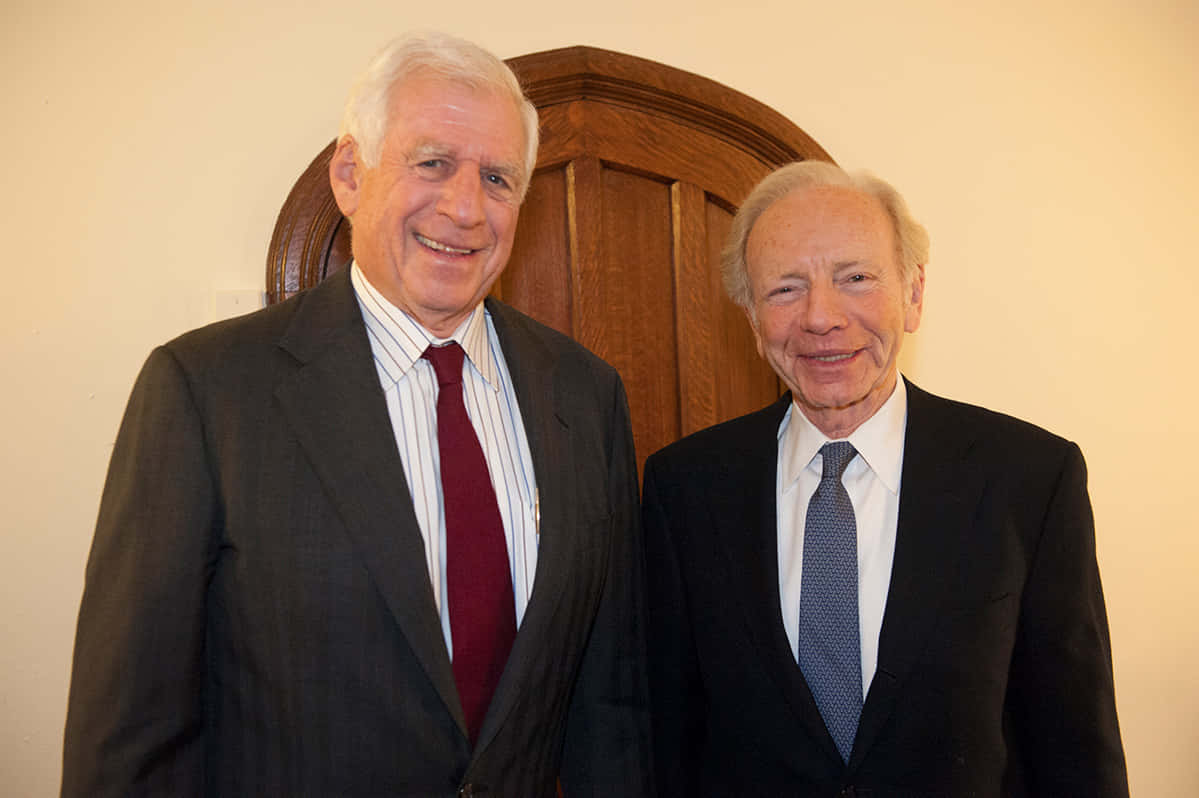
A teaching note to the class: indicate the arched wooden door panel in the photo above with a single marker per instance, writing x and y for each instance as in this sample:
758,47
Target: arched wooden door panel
640,170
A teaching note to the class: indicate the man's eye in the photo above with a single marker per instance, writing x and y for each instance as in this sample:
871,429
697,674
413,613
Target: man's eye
431,163
499,181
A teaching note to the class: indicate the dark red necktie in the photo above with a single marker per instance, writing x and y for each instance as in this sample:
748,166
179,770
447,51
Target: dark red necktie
478,579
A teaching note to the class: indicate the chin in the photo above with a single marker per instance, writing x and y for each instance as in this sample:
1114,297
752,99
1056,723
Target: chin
829,400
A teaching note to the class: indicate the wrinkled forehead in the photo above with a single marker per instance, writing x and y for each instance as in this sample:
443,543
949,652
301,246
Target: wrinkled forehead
822,220
434,92
822,204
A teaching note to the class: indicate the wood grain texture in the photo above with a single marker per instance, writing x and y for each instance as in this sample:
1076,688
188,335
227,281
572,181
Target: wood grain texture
631,307
694,331
744,382
636,140
604,77
311,239
538,274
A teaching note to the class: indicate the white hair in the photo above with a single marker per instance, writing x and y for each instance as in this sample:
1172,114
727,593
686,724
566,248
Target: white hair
366,112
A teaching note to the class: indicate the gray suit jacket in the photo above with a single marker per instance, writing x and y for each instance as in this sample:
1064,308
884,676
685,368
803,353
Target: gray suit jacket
258,618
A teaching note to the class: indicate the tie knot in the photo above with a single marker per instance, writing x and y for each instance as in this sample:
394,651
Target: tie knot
836,458
447,363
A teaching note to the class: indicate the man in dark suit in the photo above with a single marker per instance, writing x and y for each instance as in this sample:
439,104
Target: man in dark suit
865,589
329,564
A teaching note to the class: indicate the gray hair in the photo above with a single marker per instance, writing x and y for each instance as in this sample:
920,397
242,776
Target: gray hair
366,112
911,239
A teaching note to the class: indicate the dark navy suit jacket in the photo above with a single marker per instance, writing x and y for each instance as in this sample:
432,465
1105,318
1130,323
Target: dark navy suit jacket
994,671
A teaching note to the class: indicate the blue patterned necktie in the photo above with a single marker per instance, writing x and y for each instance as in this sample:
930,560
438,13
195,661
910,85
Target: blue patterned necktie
829,645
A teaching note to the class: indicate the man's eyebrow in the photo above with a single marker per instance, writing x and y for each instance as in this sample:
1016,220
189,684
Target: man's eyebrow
789,276
850,263
427,149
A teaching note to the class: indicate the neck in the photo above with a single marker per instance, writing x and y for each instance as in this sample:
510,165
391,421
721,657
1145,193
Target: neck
838,423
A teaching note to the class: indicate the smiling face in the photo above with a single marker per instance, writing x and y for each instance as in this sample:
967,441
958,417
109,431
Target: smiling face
830,305
433,222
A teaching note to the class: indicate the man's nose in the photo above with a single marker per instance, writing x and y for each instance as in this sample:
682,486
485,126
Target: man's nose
462,197
825,311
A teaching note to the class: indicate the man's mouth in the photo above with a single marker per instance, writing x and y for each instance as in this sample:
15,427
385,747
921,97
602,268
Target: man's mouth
831,358
440,247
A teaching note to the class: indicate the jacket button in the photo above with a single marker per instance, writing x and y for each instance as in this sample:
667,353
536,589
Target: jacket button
848,792
466,791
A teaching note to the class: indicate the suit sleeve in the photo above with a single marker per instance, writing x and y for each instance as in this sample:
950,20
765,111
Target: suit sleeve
1062,694
607,736
676,694
134,719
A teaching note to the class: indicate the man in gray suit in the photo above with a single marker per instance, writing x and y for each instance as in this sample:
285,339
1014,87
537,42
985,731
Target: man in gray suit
382,538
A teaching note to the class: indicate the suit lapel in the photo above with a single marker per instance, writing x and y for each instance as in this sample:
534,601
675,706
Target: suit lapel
934,507
533,370
747,515
336,407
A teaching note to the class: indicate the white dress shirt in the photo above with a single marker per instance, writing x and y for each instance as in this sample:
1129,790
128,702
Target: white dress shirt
410,387
872,482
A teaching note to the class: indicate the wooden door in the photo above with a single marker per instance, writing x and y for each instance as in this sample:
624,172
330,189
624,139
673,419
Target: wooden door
640,170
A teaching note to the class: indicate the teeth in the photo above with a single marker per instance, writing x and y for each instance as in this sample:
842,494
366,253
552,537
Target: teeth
440,247
831,358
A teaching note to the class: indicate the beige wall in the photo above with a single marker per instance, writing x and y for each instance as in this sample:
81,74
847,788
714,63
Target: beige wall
1049,147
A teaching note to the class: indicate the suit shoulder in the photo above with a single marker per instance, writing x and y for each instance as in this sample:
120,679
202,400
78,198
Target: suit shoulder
221,338
511,322
999,432
250,348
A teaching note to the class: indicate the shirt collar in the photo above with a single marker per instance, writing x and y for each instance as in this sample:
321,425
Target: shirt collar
398,340
879,440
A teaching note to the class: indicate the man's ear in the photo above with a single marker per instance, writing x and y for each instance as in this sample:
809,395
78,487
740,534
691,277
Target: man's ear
752,318
345,175
914,306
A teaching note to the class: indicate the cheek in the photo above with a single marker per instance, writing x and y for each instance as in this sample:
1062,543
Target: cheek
371,216
774,337
884,318
503,224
